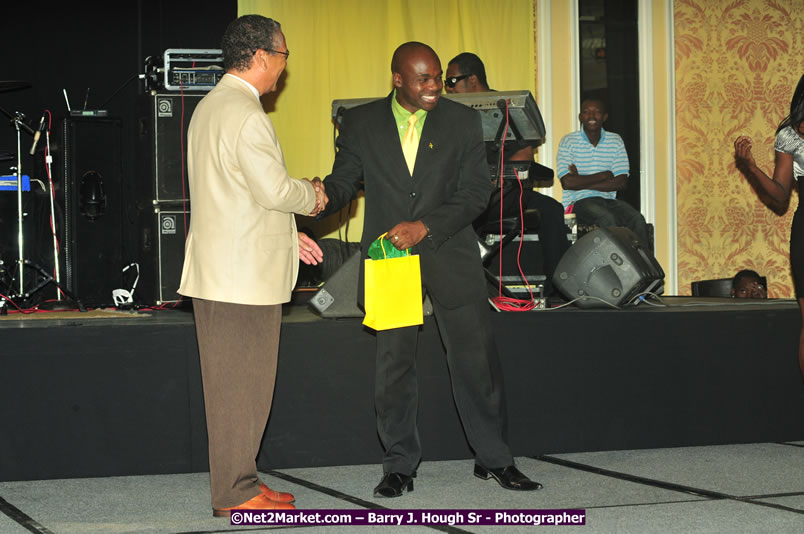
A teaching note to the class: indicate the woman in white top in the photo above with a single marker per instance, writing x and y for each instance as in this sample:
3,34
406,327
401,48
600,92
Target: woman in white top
788,166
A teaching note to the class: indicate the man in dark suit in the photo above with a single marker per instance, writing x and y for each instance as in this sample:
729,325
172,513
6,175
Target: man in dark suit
426,198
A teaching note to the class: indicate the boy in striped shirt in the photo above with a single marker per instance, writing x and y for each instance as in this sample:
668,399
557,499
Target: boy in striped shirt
592,166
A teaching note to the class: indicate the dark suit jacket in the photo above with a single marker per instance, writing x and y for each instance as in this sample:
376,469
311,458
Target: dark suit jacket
449,188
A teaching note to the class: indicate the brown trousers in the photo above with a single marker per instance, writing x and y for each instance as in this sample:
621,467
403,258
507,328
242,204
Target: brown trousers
238,345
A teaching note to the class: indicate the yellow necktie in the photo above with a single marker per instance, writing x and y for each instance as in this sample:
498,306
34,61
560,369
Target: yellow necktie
410,143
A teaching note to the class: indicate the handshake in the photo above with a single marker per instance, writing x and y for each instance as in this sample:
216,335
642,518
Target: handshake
321,198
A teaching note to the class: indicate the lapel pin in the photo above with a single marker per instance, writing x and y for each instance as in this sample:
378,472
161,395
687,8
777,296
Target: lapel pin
431,146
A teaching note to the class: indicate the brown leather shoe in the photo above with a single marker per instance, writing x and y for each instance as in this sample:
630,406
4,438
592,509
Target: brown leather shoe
277,496
260,502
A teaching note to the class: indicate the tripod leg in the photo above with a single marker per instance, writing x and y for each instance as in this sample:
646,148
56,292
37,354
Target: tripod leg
47,279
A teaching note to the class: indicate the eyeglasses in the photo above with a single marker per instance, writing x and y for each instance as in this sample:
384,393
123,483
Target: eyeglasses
452,80
286,54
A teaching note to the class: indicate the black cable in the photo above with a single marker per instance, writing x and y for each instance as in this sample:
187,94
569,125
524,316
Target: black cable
345,236
118,90
334,137
348,220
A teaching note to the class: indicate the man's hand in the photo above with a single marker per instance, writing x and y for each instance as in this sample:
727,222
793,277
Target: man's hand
321,198
309,251
605,175
407,234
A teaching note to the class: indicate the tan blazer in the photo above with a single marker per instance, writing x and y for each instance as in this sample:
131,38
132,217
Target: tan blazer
242,246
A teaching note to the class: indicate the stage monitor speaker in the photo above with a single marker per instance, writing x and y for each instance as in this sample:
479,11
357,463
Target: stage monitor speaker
335,253
95,219
337,298
609,264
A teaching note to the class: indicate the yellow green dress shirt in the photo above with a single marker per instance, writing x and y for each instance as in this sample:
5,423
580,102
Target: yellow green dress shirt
401,117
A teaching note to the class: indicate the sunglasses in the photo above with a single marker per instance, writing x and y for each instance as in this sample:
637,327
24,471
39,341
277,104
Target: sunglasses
452,80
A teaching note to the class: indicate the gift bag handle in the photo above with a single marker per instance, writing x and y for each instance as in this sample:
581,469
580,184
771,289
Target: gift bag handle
385,256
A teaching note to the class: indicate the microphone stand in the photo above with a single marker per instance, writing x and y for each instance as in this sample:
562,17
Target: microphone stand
51,195
69,300
70,303
19,124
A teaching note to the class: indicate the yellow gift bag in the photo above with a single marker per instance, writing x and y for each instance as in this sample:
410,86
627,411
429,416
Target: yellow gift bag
393,292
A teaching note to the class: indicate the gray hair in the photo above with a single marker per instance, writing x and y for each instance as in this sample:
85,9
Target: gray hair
244,36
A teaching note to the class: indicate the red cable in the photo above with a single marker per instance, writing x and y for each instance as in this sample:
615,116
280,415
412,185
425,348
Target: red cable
508,303
181,149
501,183
183,187
8,299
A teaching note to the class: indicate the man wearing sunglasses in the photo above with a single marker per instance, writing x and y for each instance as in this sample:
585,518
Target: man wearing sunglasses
467,74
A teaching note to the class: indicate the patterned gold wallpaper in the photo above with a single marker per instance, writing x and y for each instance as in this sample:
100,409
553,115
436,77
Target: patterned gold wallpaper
737,63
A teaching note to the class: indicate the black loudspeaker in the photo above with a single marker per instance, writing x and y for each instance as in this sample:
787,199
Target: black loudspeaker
610,264
163,123
162,238
163,193
337,298
96,222
719,287
335,252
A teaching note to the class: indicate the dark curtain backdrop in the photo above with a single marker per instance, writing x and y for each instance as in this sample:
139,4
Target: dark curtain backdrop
75,46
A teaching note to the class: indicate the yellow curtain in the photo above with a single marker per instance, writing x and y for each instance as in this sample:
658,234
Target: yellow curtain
343,50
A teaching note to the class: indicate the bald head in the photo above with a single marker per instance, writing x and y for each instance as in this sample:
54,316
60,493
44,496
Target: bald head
416,73
405,54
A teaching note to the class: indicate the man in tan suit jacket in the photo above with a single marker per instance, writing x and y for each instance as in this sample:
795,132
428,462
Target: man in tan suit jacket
241,256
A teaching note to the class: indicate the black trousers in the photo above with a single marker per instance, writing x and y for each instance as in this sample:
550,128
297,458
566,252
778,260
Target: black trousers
477,387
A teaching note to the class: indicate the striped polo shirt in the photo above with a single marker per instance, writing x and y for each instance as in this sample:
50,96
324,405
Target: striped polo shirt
608,155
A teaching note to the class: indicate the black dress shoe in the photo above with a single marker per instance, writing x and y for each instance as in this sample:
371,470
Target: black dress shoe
394,485
508,477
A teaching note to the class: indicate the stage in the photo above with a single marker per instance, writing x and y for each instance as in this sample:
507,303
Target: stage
92,397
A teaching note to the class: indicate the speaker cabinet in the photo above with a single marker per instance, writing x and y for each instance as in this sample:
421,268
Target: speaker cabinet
609,264
163,193
337,298
164,119
161,254
171,227
95,213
